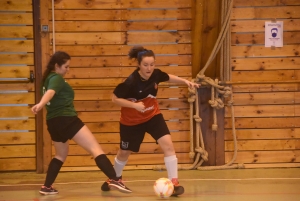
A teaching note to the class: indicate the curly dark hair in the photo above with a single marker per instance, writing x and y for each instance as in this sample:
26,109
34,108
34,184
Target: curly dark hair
139,52
59,58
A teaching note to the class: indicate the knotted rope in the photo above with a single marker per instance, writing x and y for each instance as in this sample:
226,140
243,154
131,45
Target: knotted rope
197,151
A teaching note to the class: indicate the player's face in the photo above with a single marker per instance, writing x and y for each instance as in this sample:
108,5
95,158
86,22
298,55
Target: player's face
146,67
63,69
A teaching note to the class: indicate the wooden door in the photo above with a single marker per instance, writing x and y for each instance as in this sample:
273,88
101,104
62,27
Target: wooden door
17,91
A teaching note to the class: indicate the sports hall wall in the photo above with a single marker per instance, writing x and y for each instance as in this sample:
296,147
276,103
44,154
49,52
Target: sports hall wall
98,36
267,115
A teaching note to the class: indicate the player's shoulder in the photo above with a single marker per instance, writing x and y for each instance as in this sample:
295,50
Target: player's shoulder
55,77
157,71
132,78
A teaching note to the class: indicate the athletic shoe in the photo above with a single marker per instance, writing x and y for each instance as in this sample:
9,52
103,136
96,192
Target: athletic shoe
48,191
113,184
105,186
178,190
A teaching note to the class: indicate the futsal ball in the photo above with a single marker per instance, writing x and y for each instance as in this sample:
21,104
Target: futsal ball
163,187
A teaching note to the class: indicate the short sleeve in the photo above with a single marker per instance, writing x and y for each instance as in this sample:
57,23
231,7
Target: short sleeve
121,91
56,83
162,76
124,88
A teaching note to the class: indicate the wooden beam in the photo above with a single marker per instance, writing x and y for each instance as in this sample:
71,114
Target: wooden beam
38,78
197,22
45,42
210,31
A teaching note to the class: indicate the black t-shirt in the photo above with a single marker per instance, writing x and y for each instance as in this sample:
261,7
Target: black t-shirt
135,89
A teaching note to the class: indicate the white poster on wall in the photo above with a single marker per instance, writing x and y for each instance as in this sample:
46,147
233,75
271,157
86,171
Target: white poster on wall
274,34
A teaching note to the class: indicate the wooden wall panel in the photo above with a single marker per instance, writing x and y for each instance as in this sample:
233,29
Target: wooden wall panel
15,71
89,38
14,5
184,50
266,12
267,115
17,138
17,122
265,63
22,164
243,26
12,111
17,45
18,86
12,18
16,32
254,157
12,125
265,87
17,151
259,38
261,51
16,98
159,37
242,3
13,59
116,4
264,134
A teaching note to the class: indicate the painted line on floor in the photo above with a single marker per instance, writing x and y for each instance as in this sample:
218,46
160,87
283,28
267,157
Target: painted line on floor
133,181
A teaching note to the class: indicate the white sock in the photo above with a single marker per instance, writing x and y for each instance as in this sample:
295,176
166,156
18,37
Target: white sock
119,166
171,165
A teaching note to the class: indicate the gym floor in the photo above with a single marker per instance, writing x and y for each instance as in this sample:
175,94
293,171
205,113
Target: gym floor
218,185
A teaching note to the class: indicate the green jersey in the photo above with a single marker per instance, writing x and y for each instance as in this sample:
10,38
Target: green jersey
62,102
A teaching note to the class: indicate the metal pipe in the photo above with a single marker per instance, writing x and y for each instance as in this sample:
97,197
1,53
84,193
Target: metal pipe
53,27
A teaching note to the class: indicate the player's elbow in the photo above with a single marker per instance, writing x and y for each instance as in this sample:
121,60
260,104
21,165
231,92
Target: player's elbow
113,98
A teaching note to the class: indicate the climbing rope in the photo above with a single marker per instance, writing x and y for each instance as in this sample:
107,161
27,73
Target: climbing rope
197,148
223,43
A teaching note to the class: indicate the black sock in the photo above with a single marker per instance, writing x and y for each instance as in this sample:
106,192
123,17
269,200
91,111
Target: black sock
105,165
52,172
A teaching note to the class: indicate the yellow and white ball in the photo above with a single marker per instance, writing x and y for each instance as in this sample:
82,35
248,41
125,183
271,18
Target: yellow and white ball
163,187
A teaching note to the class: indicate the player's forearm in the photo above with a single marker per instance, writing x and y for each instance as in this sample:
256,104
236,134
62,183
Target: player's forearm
176,79
122,102
47,97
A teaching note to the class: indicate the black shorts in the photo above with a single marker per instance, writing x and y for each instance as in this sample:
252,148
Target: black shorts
64,127
133,136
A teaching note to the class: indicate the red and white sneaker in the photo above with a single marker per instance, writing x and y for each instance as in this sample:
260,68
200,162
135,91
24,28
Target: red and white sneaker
116,184
48,191
178,190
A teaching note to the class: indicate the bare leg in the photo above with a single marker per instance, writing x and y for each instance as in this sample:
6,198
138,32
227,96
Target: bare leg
87,140
61,150
170,159
166,145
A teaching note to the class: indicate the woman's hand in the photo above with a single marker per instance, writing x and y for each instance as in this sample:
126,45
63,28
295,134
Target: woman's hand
192,84
36,108
139,106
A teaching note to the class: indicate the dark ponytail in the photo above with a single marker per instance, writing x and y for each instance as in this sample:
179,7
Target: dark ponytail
139,52
59,58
